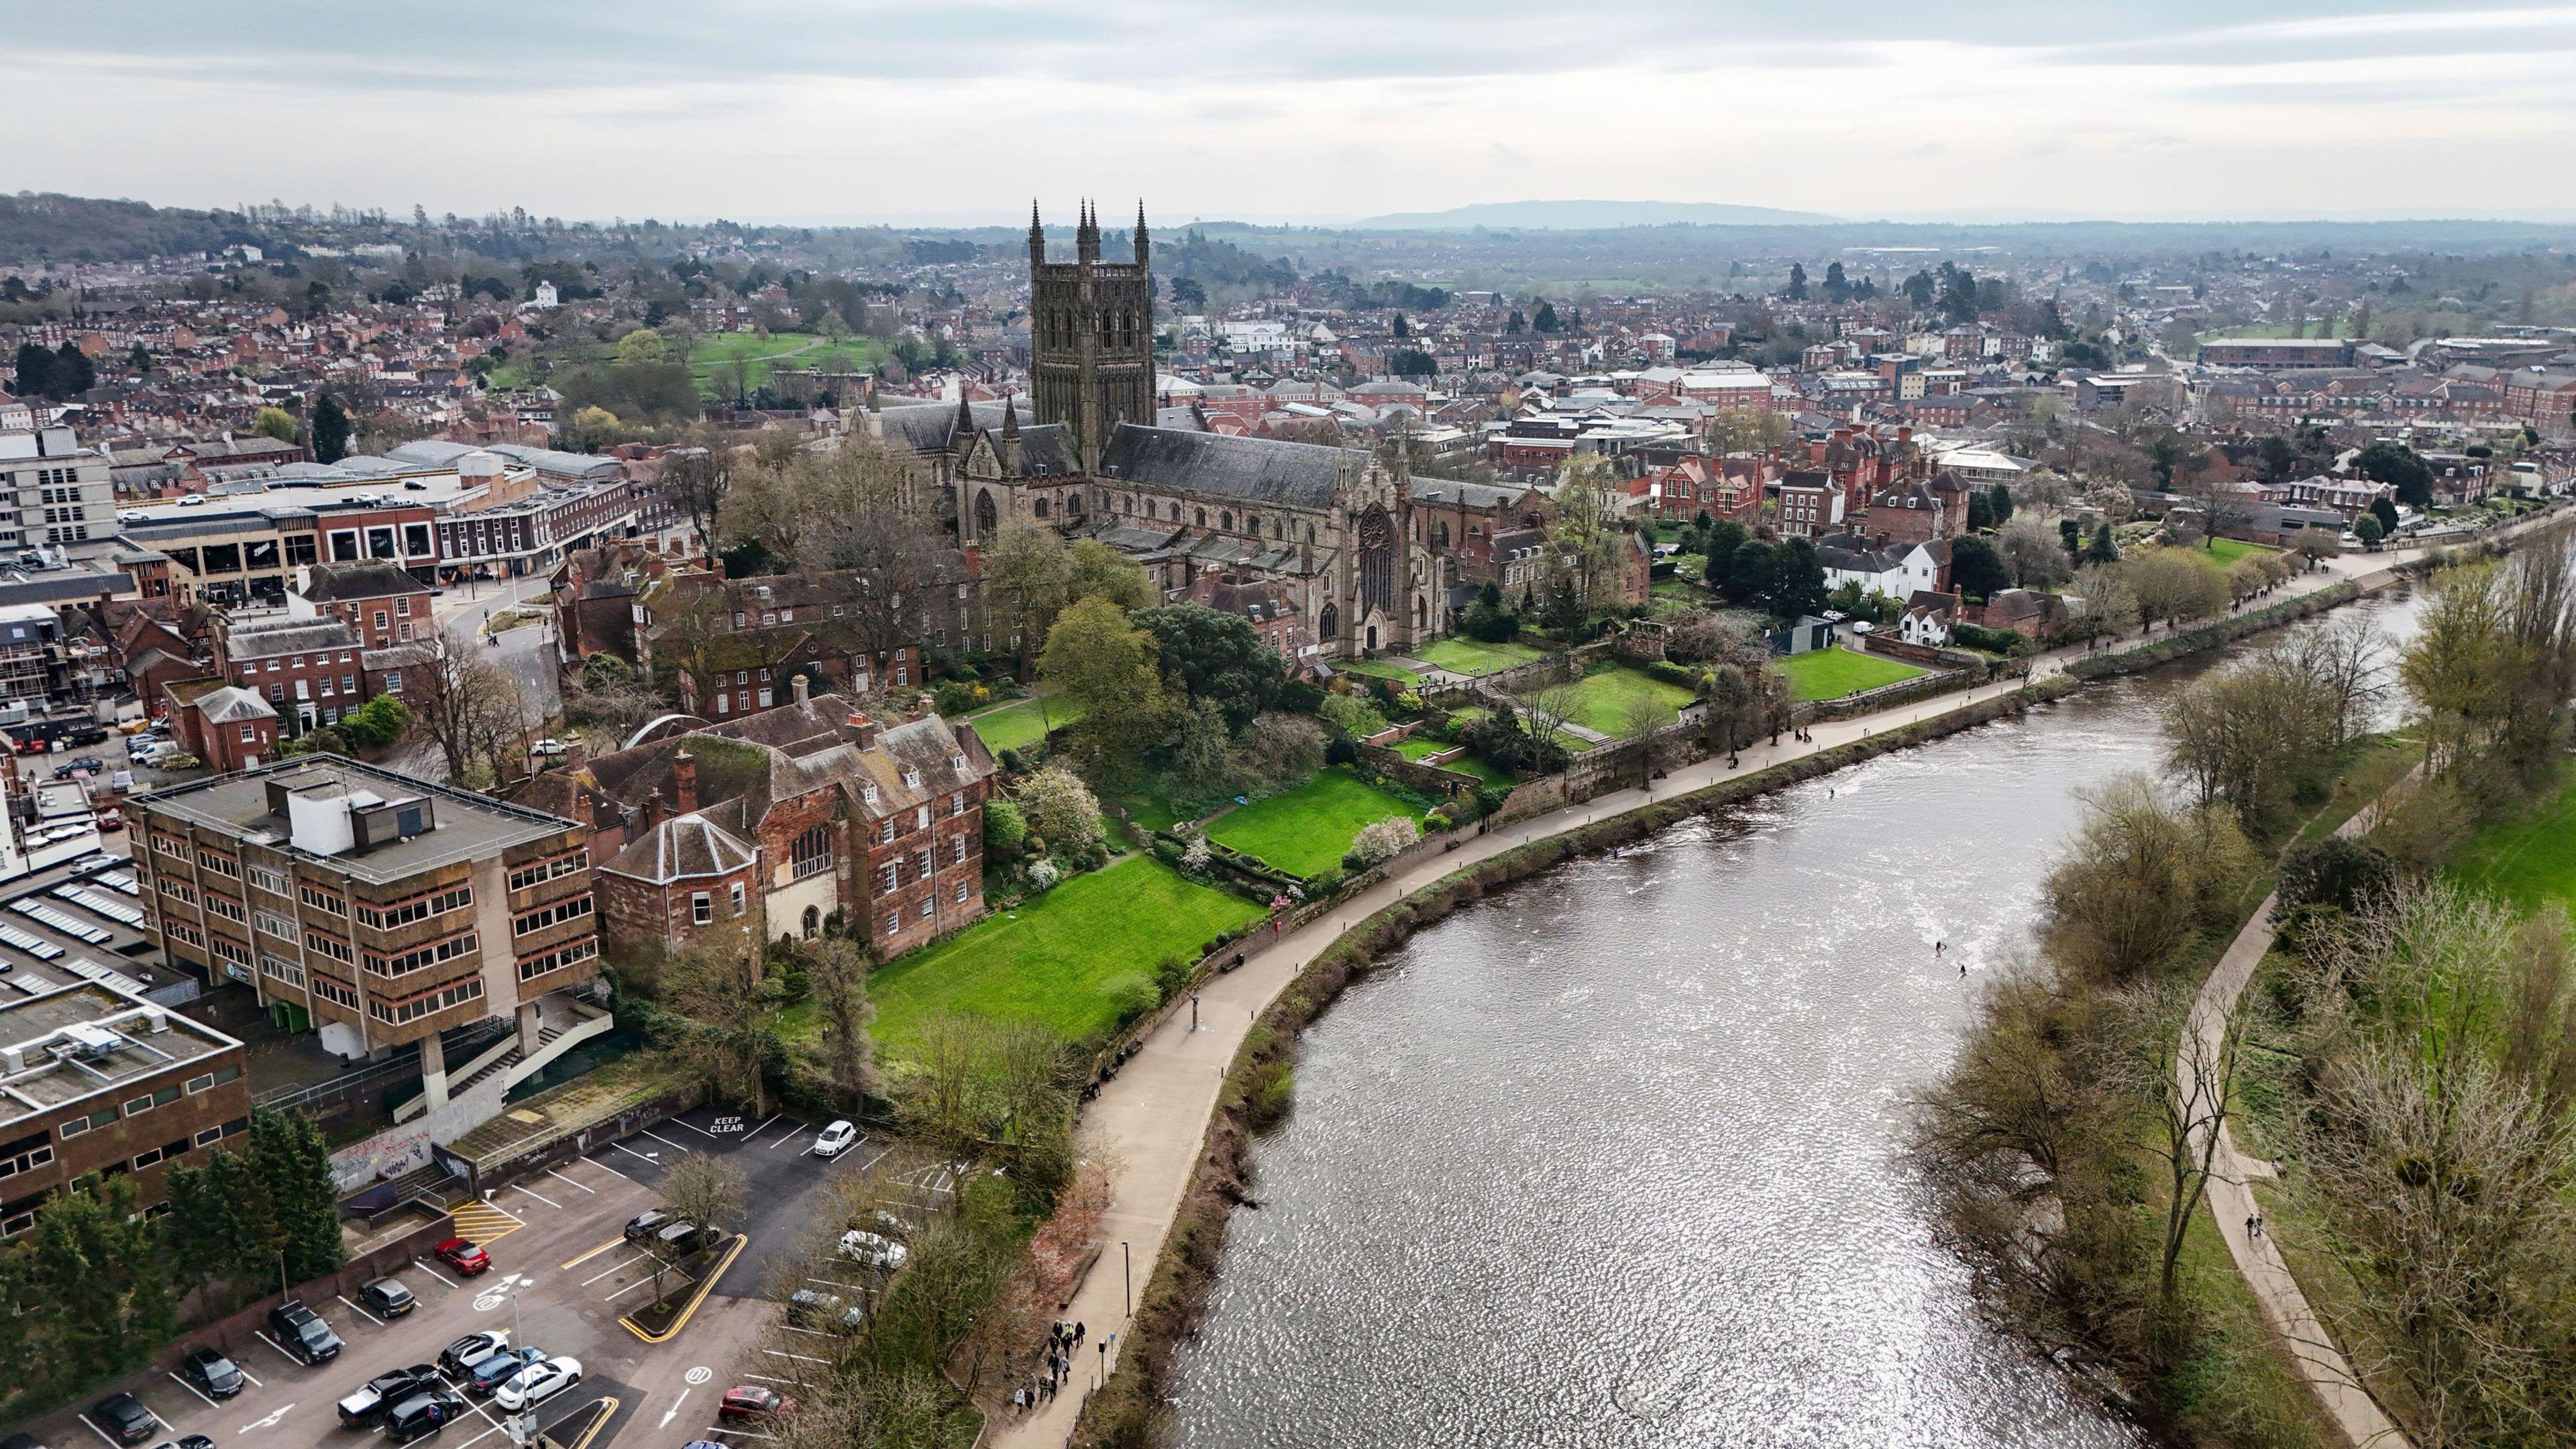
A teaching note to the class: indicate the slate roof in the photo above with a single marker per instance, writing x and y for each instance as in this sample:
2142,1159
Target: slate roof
370,580
303,636
232,704
1265,470
929,424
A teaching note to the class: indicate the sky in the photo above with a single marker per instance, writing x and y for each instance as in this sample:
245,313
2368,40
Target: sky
956,111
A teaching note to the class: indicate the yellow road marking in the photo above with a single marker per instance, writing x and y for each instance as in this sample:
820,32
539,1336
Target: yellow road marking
607,1408
705,1286
618,1242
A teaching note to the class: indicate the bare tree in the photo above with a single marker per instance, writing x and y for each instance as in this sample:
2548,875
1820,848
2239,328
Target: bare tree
1638,722
838,969
470,710
697,481
2346,659
1545,708
2188,1074
731,1038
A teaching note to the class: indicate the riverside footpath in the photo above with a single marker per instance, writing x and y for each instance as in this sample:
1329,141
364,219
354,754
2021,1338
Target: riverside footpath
1148,1125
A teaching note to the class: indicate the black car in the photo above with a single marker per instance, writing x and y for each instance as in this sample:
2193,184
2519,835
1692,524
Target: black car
491,1373
211,1373
384,1391
646,1224
386,1298
123,1418
472,1349
423,1413
302,1334
194,1441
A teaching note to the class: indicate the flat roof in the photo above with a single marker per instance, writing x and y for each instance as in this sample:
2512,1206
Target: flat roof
470,826
90,1040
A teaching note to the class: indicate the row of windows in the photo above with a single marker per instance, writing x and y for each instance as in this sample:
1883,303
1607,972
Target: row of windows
385,918
203,1082
322,900
929,908
226,907
179,890
557,959
219,864
331,946
322,660
170,845
24,1217
811,852
571,908
267,878
281,968
330,990
542,871
183,933
429,955
469,989
276,925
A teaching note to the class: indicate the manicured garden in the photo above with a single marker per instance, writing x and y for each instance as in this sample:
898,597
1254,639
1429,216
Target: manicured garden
1022,722
2529,860
2226,551
1604,698
1833,673
1461,655
1071,960
1306,831
1379,669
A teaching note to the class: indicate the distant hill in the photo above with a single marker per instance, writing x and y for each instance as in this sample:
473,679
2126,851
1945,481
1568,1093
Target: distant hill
1588,216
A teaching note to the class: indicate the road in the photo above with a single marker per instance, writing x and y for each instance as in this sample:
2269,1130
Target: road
526,654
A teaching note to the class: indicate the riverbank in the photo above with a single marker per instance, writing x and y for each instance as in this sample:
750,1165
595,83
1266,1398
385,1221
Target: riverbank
1172,1124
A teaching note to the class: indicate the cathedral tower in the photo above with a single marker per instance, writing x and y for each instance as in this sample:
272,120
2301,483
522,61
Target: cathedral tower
1091,331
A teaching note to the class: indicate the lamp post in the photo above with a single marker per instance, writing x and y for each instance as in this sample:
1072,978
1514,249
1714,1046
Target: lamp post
1127,1260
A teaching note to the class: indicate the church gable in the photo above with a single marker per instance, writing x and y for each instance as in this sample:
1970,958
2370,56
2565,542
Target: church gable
981,460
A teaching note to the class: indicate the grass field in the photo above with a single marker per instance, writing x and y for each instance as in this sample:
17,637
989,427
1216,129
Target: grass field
1066,960
2531,860
1833,673
1474,656
759,354
1306,831
2228,550
1421,747
1021,723
1604,696
1148,806
1379,669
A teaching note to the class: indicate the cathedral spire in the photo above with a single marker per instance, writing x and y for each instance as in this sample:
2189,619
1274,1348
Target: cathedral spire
965,434
1037,236
1010,418
1141,258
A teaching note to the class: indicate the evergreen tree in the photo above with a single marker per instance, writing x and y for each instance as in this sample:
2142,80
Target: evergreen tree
1720,541
1402,329
1999,502
1513,323
73,374
1797,289
2104,548
292,1169
1564,602
1546,320
1837,286
35,370
1981,514
330,431
2071,534
1748,578
1797,580
94,1257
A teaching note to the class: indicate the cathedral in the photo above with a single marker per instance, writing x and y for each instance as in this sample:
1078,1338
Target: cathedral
1325,534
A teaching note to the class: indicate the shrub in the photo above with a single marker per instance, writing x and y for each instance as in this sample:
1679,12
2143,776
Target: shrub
1167,851
1006,830
1381,839
1352,715
1058,806
1269,1095
1301,696
1133,993
1671,673
1171,977
1043,875
1437,820
377,723
1195,856
1011,761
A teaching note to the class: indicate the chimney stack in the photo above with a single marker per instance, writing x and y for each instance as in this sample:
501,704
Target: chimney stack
684,781
864,728
800,687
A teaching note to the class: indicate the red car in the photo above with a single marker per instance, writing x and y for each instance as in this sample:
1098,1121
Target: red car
750,1403
466,1258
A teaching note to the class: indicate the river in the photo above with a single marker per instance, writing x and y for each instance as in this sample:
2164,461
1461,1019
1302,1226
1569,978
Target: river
1614,1158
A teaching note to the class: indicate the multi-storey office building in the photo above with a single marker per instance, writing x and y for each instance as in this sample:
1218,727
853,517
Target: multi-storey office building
380,908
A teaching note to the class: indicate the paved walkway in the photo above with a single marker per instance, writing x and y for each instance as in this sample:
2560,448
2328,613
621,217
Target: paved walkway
1149,1123
2231,1201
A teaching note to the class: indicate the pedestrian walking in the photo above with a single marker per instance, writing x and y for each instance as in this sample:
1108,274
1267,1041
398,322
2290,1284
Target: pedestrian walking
2253,1225
1963,970
1077,1333
1019,1401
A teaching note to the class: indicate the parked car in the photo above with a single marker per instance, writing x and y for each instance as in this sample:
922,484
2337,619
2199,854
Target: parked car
465,1257
384,1391
546,747
472,1349
111,820
751,1403
22,1441
123,1418
834,1140
210,1373
823,1312
537,1383
386,1298
645,1224
423,1414
861,1246
303,1334
499,1369
193,1441
894,1223
680,1239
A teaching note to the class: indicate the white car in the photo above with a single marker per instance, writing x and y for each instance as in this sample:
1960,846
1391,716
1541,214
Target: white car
865,1247
547,747
834,1140
537,1383
129,515
193,500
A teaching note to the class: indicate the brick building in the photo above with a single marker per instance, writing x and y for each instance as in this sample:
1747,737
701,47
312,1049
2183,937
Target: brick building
381,604
227,726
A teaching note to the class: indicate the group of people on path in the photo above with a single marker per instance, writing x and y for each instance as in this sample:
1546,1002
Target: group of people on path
1062,1339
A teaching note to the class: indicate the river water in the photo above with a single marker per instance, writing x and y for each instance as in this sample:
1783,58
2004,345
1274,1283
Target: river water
1614,1158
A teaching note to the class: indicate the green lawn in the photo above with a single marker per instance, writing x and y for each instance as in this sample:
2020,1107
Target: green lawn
2530,860
1066,960
1021,723
1148,806
1833,673
1306,831
1461,655
2228,550
1379,669
759,354
1605,695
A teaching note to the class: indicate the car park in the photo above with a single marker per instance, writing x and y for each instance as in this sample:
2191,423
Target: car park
860,1246
751,1403
472,1349
834,1140
387,1298
645,1224
384,1391
123,1418
210,1373
302,1334
22,1441
423,1414
190,1441
537,1383
463,1256
482,1378
680,1239
823,1312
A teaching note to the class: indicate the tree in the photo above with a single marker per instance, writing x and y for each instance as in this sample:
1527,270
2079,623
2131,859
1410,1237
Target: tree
1796,291
1546,321
1098,571
1028,579
1212,656
94,1262
375,724
1797,582
1200,767
1748,572
330,430
1411,362
1999,502
1837,286
1976,570
1061,811
702,1190
2387,462
1981,514
2103,549
2386,512
1006,830
2171,585
1746,430
35,368
2142,876
1106,666
732,1039
2251,736
2099,604
2369,530
73,373
2038,558
837,968
643,345
1721,541
1588,542
1488,619
1545,708
471,710
697,480
275,423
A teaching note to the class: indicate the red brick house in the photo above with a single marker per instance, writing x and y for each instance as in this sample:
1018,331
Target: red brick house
228,727
382,604
1811,503
683,881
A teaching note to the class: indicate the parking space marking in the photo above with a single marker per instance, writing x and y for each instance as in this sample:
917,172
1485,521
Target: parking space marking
541,1197
93,1428
586,1282
763,1127
371,1318
611,1171
766,1379
595,1252
254,1378
550,1172
434,1273
882,1154
790,1135
692,1126
191,1388
157,1419
799,1357
643,1282
667,1142
281,1353
738,1432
